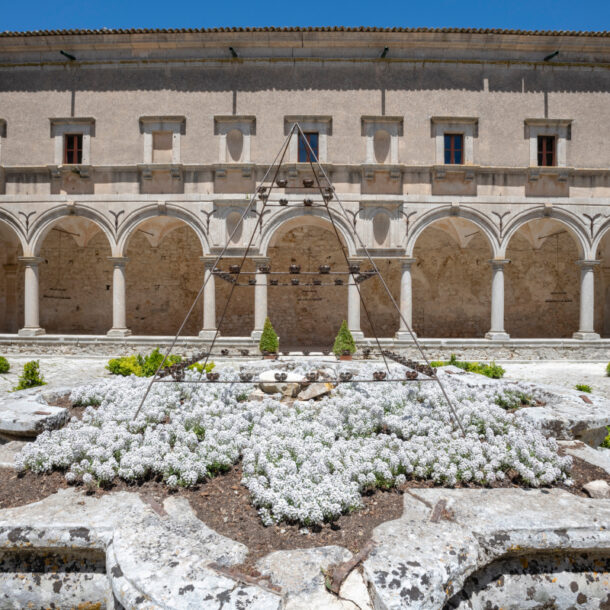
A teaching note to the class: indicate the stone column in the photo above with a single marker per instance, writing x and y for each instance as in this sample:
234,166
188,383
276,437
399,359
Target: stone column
31,326
119,307
406,301
586,329
353,304
497,332
209,299
10,303
260,299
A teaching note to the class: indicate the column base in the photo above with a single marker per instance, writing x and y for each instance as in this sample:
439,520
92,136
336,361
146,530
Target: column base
208,334
586,336
29,331
494,335
118,332
255,335
404,335
358,335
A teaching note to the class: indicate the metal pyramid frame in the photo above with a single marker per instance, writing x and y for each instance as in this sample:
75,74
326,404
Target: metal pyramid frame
330,203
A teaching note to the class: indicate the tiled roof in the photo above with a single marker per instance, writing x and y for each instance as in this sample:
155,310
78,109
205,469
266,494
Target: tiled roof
307,29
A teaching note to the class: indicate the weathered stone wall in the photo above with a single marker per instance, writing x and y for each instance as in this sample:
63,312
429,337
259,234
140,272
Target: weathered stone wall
531,278
346,91
11,285
307,315
162,283
75,285
451,285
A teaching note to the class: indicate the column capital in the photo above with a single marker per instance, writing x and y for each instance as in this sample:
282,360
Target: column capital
499,262
587,263
261,261
118,260
405,261
209,261
30,261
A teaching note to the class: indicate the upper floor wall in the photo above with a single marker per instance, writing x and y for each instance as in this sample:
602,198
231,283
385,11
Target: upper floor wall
500,80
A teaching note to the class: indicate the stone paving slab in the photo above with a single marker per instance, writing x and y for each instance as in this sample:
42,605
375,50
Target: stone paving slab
28,417
300,575
162,567
568,414
418,563
597,457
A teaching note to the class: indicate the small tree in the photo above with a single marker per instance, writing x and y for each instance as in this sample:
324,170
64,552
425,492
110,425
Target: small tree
31,376
5,367
344,341
269,341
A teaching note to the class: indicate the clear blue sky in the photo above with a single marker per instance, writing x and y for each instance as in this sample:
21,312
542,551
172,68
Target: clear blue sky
519,14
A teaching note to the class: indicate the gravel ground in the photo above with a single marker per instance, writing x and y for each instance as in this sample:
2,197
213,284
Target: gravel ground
75,370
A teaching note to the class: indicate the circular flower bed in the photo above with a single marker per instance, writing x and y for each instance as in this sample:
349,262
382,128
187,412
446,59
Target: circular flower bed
307,461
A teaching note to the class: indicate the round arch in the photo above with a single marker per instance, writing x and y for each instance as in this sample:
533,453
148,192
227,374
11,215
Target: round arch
45,223
602,232
12,242
571,221
163,274
132,222
451,277
474,216
7,219
292,218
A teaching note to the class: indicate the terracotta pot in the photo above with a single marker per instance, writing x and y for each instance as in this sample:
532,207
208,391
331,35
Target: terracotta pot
348,357
270,356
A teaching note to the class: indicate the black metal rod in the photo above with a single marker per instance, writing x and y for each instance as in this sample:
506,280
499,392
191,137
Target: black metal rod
335,381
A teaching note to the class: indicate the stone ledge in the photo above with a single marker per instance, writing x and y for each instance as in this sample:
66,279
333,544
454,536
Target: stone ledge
418,563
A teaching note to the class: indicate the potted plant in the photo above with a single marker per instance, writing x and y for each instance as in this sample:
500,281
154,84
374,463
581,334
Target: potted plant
344,345
269,342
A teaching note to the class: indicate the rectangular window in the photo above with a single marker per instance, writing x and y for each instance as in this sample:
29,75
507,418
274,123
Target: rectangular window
546,151
304,152
162,147
454,148
73,148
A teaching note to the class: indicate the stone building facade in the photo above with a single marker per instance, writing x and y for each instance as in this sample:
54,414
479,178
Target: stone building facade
474,166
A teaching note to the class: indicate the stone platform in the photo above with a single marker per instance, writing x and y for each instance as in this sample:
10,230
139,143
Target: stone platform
170,559
436,348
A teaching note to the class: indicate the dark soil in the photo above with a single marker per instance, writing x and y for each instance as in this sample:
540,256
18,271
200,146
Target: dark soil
224,505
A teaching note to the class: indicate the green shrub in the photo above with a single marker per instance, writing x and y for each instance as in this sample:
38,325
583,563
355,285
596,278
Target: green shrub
269,341
140,366
5,367
492,370
608,369
606,443
344,342
583,387
31,377
198,366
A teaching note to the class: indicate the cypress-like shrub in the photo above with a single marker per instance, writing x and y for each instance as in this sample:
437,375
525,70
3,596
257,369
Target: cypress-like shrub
269,341
344,342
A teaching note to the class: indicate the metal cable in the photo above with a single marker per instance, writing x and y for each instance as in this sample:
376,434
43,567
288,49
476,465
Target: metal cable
387,289
205,281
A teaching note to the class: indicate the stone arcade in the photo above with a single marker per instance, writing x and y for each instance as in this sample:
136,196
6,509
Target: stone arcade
475,169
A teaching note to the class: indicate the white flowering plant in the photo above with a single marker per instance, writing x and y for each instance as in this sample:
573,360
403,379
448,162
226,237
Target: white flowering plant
306,462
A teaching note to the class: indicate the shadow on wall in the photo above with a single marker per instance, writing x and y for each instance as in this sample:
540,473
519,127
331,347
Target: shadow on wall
162,282
392,76
542,284
452,281
75,284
